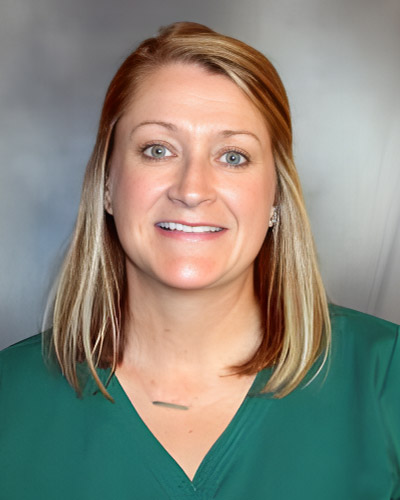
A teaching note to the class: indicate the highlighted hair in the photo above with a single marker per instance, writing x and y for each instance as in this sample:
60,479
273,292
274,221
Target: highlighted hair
88,304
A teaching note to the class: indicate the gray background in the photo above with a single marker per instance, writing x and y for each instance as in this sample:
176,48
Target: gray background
339,61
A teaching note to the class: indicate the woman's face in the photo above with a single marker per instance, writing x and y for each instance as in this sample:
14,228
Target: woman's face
192,180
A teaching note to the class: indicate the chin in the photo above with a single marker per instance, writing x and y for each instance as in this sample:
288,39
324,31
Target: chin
190,277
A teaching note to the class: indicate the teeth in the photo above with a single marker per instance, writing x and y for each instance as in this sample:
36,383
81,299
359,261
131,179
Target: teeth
172,226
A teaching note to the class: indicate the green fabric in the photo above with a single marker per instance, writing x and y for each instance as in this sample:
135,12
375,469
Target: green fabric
338,438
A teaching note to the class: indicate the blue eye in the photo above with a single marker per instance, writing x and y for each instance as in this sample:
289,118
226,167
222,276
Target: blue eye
157,151
234,158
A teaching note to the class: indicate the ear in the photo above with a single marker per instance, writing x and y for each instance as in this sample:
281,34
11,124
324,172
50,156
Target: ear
273,217
107,197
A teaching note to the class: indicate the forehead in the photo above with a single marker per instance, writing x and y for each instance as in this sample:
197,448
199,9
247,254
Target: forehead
191,95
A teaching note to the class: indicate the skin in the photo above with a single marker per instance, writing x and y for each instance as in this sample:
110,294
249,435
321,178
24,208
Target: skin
194,313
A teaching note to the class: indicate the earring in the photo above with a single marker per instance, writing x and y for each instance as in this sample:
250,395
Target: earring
274,219
107,198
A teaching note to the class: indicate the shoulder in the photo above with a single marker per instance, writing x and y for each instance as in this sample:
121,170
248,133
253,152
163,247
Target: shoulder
30,344
350,318
352,327
22,354
25,365
365,349
30,368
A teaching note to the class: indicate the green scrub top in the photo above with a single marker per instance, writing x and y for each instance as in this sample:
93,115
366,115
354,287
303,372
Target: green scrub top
337,438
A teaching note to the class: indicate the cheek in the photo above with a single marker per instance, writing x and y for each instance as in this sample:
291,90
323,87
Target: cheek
127,199
256,207
132,194
253,202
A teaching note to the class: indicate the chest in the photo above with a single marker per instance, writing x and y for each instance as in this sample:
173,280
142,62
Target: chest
188,433
308,447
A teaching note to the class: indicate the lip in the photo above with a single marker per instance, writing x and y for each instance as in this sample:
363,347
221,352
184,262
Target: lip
192,237
193,224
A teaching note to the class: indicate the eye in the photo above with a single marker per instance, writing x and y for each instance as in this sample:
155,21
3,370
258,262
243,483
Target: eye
234,158
156,151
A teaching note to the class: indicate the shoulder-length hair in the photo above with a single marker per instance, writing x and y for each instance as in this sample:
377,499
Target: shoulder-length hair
88,307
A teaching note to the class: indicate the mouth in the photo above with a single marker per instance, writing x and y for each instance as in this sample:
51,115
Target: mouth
185,228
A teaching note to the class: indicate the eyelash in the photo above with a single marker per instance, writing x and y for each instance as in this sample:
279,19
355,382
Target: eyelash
227,150
241,153
143,148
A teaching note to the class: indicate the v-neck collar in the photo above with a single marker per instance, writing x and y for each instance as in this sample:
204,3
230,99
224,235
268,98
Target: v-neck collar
166,469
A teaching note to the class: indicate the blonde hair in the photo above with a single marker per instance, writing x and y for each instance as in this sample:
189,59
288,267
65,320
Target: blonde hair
89,299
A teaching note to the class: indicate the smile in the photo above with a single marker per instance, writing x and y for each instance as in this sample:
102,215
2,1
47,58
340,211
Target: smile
175,226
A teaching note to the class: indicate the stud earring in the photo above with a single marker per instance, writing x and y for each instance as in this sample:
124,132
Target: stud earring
274,219
107,198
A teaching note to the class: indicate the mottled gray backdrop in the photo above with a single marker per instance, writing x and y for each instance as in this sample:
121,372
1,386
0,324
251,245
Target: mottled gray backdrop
339,60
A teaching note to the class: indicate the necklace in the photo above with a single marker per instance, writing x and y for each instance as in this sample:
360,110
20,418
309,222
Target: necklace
173,406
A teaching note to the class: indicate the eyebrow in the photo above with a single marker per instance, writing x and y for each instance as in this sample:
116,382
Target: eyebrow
174,128
229,133
167,125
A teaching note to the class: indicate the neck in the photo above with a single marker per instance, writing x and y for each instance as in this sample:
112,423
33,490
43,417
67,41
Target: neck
191,331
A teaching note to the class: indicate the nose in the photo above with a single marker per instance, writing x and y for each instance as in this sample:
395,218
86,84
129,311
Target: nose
193,183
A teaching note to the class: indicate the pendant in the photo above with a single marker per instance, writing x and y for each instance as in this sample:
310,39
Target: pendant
173,406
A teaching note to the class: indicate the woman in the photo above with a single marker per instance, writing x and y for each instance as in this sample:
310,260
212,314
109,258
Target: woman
190,316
